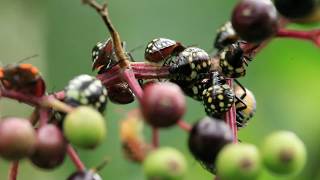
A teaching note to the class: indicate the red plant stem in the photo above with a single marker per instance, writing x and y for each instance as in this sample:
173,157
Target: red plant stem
313,35
129,76
13,171
43,116
231,117
155,137
184,125
75,158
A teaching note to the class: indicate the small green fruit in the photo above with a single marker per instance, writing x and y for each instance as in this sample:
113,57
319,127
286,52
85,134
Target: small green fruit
284,153
239,161
84,127
165,164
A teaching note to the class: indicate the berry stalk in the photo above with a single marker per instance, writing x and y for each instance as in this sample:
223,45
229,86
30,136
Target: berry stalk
313,35
75,158
184,125
13,171
231,117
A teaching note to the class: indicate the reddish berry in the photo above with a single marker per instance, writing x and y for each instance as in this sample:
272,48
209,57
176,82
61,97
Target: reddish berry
255,20
17,138
84,175
50,148
163,104
207,138
120,93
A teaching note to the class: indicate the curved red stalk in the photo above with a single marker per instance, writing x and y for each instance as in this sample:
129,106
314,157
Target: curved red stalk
13,171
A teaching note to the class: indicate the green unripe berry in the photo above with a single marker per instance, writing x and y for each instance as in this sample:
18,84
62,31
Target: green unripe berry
84,127
284,153
239,161
165,164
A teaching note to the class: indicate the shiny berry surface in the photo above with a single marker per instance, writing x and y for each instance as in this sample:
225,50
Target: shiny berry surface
208,136
50,149
120,93
255,20
84,175
17,138
163,104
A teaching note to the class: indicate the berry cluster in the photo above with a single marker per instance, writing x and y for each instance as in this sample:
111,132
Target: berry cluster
170,72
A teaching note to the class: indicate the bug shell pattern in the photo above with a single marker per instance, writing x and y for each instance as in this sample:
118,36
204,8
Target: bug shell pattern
160,49
233,61
217,100
244,113
86,90
225,36
24,78
189,64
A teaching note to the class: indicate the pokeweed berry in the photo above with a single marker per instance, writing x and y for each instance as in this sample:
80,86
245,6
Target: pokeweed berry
255,20
298,10
103,56
239,161
86,90
190,62
160,49
84,127
165,163
17,138
207,137
24,78
50,149
284,153
163,104
233,61
84,175
225,36
120,93
245,105
218,98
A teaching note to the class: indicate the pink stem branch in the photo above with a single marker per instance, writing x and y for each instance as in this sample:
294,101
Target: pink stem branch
184,125
313,35
231,117
75,158
13,172
43,116
155,137
129,76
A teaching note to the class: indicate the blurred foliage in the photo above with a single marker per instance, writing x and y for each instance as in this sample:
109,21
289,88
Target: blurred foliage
283,77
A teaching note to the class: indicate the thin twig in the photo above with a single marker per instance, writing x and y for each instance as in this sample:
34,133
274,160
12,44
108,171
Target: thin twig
75,158
13,171
184,125
103,12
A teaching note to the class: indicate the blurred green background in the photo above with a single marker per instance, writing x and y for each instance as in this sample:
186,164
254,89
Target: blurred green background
284,77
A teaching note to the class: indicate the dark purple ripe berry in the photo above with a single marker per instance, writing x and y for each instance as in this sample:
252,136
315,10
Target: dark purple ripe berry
218,98
208,136
233,61
255,20
294,9
189,64
163,104
160,49
50,148
17,138
86,90
225,36
120,93
84,175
